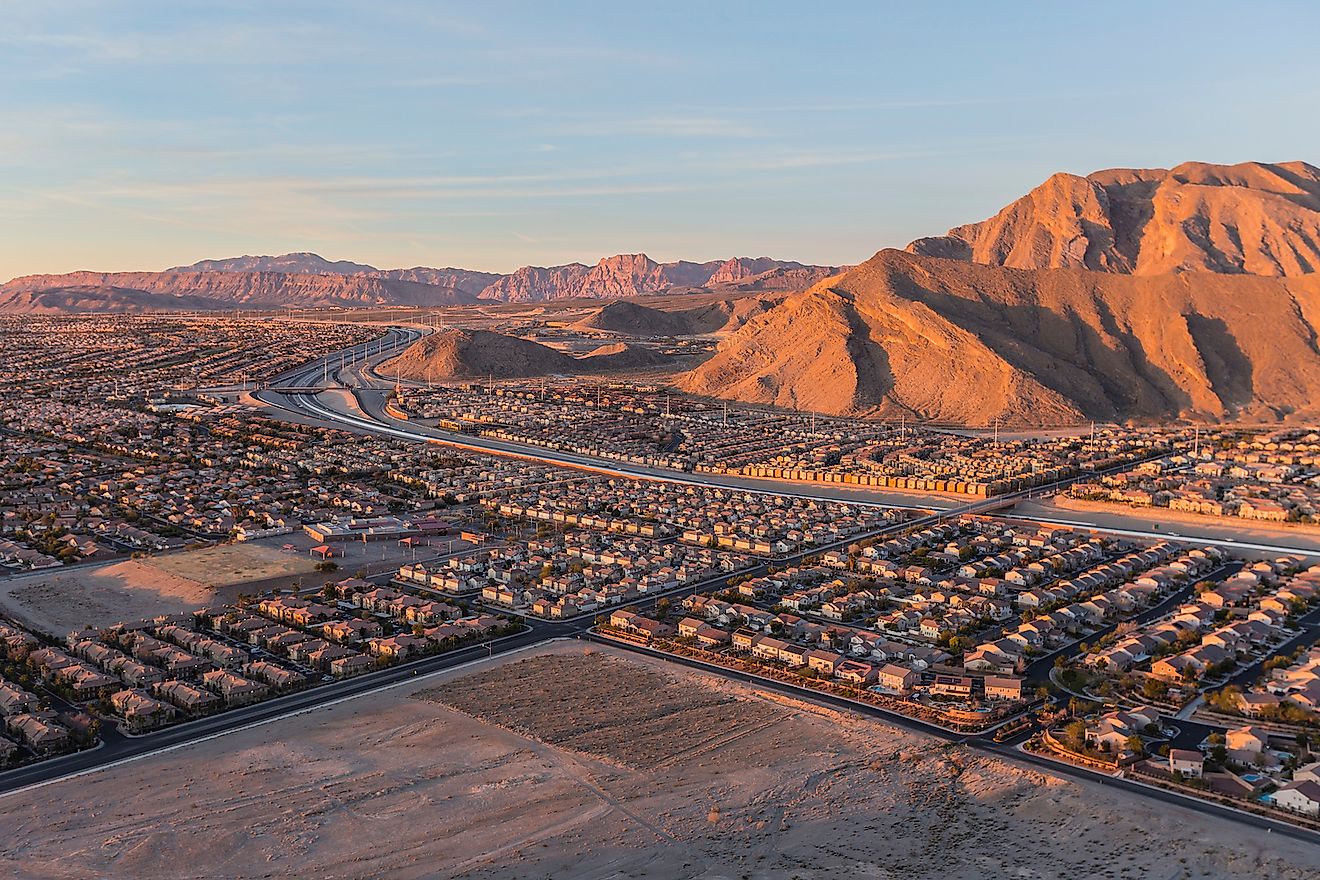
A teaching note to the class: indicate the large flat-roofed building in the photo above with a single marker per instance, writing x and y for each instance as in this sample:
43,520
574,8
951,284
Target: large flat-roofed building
376,528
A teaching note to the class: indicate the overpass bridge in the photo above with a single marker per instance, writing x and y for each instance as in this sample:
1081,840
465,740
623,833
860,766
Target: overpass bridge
304,389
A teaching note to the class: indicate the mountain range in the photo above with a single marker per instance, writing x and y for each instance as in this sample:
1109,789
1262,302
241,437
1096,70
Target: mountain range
309,280
1127,294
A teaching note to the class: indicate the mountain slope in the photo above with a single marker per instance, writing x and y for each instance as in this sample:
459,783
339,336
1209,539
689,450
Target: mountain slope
622,316
952,341
478,354
184,289
1248,219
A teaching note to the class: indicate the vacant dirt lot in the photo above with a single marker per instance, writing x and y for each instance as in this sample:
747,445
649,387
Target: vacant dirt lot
387,786
66,599
235,565
60,600
620,711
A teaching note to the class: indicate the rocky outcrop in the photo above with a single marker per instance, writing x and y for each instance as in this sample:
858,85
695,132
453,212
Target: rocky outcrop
1248,219
534,283
953,341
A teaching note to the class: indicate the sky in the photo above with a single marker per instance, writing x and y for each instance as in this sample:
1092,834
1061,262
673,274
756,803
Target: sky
142,135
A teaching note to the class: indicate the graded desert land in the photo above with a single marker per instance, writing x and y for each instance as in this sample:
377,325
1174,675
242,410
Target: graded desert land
578,762
56,601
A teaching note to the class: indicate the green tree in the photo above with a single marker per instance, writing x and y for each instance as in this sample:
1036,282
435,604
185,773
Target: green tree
1154,689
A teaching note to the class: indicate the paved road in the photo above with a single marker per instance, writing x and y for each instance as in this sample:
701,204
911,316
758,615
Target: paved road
117,747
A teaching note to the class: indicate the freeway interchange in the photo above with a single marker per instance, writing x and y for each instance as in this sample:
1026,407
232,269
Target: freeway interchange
295,394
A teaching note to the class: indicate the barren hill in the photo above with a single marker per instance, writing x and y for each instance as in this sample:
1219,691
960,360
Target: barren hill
953,341
477,354
620,356
624,316
777,278
1248,219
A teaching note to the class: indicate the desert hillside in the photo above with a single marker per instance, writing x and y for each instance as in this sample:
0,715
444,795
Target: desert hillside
954,341
622,316
1249,219
630,318
478,354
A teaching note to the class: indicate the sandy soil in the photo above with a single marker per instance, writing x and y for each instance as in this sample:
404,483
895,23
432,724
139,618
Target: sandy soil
98,595
227,565
388,786
66,599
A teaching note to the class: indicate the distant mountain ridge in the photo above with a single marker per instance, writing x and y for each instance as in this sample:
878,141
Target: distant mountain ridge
309,280
189,290
296,264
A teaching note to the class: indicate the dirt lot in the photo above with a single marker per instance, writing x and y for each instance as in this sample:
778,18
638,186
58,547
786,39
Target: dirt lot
66,599
664,718
387,786
230,565
60,600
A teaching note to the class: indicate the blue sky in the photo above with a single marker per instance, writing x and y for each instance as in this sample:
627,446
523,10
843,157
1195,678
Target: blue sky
139,135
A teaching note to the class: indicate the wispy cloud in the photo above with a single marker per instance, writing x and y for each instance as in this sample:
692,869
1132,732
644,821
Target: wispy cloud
664,126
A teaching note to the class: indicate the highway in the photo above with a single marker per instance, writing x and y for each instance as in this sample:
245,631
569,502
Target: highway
367,415
118,748
370,417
